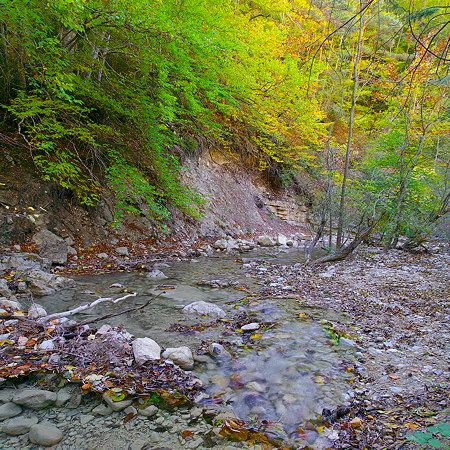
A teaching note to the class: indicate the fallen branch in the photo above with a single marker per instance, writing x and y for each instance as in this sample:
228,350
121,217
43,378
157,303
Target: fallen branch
108,316
84,307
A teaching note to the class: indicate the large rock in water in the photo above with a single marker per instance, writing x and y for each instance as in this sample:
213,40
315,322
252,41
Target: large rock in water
45,434
51,246
35,398
202,308
181,356
146,349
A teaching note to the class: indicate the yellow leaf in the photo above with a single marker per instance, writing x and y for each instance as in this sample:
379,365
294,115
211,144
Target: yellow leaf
356,422
412,426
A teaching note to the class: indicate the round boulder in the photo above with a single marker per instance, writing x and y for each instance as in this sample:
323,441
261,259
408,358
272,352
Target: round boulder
202,308
45,434
19,425
181,356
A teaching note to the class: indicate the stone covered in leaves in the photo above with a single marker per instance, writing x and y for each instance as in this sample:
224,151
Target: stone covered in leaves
99,362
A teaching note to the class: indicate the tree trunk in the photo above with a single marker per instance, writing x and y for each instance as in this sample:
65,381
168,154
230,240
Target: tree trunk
340,226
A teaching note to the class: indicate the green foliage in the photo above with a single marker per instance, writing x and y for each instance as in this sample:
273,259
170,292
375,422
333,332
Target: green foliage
148,78
434,437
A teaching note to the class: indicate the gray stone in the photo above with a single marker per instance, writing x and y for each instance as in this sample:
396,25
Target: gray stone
220,244
86,418
122,251
47,345
43,283
35,398
25,262
156,273
104,329
202,308
36,311
116,406
266,241
215,349
63,396
71,251
19,425
6,395
45,434
102,410
145,349
4,289
51,246
130,410
10,304
181,356
8,410
102,255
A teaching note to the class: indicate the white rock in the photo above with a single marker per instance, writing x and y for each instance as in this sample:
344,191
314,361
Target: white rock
202,308
281,239
145,349
47,345
36,311
250,326
181,356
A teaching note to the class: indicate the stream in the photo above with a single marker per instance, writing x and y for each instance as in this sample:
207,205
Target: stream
286,372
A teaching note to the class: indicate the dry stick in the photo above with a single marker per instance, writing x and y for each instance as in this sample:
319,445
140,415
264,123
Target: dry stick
84,307
107,316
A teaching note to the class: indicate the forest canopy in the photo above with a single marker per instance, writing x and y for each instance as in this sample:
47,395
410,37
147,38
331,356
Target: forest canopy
350,96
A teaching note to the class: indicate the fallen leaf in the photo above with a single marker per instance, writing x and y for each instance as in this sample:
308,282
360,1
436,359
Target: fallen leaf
187,435
128,417
94,377
394,377
356,422
412,426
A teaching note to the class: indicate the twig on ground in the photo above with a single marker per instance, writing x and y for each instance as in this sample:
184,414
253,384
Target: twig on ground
83,308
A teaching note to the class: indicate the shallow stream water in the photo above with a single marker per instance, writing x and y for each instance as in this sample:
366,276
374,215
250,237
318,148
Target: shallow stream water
285,373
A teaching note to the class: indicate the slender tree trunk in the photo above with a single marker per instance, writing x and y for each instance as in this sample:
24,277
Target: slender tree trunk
340,226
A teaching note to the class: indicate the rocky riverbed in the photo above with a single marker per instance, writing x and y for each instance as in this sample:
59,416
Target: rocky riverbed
388,314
